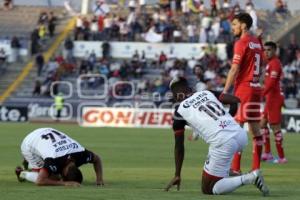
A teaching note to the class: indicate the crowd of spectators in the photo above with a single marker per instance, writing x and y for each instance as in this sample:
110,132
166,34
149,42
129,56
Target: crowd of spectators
45,28
165,23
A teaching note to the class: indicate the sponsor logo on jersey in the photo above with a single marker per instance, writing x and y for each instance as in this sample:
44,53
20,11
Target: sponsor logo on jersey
253,45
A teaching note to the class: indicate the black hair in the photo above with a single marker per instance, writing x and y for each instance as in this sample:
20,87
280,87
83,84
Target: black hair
271,44
244,18
179,88
73,174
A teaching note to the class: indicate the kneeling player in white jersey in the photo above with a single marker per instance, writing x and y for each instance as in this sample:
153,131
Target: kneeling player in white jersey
54,159
205,114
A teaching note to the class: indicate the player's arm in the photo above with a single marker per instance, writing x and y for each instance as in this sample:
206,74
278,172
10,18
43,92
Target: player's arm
44,179
228,99
178,128
98,169
231,76
271,81
239,50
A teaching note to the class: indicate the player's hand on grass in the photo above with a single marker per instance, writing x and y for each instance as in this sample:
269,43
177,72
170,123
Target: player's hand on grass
100,183
174,182
72,184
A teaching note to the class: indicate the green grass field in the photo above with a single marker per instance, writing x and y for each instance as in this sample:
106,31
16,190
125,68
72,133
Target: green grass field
138,163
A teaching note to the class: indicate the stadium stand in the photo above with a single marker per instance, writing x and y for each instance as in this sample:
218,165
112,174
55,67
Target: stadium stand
150,75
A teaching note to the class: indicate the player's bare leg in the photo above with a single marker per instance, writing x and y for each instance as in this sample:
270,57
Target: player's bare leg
276,128
266,155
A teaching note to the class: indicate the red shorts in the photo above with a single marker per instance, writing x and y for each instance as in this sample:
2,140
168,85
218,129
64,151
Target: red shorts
272,111
249,109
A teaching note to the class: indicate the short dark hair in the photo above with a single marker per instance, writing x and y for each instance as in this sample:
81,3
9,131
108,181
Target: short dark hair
179,88
244,18
73,174
271,44
178,84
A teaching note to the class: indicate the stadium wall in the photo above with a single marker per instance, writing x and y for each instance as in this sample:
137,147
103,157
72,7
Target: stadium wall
99,114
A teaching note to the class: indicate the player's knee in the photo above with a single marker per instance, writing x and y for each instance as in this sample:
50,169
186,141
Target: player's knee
208,184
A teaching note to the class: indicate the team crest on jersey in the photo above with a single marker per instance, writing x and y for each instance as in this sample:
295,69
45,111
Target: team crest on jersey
224,124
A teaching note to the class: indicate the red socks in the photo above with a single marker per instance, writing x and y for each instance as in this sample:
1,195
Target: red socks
236,162
256,153
266,138
278,141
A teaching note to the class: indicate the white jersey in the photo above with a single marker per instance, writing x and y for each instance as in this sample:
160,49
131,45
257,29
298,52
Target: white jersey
205,114
50,143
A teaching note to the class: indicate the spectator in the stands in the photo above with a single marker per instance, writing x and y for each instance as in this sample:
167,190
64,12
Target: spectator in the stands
15,49
8,4
43,18
42,34
225,28
51,24
78,27
191,32
280,7
92,59
52,66
226,5
185,10
291,89
198,72
214,9
83,68
162,58
35,41
39,61
85,29
69,46
292,48
3,57
251,11
37,88
105,50
94,28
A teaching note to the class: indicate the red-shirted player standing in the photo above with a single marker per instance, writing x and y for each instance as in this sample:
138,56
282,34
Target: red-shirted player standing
274,102
245,73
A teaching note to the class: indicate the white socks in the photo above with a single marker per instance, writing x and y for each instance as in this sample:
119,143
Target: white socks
227,185
29,176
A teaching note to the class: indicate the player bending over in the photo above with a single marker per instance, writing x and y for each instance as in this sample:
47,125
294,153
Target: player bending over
274,103
55,158
205,114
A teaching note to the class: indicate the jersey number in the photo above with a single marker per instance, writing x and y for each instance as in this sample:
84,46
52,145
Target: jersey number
212,109
257,67
51,136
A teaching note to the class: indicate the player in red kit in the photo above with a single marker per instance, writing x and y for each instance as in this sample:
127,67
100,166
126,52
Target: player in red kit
274,102
245,74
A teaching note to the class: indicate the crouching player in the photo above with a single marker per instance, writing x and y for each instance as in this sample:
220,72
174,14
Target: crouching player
205,114
55,158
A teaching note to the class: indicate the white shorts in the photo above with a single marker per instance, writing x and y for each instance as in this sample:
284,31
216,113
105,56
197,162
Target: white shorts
34,161
219,157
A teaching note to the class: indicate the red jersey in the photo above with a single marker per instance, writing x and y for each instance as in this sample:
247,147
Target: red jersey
248,54
272,77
